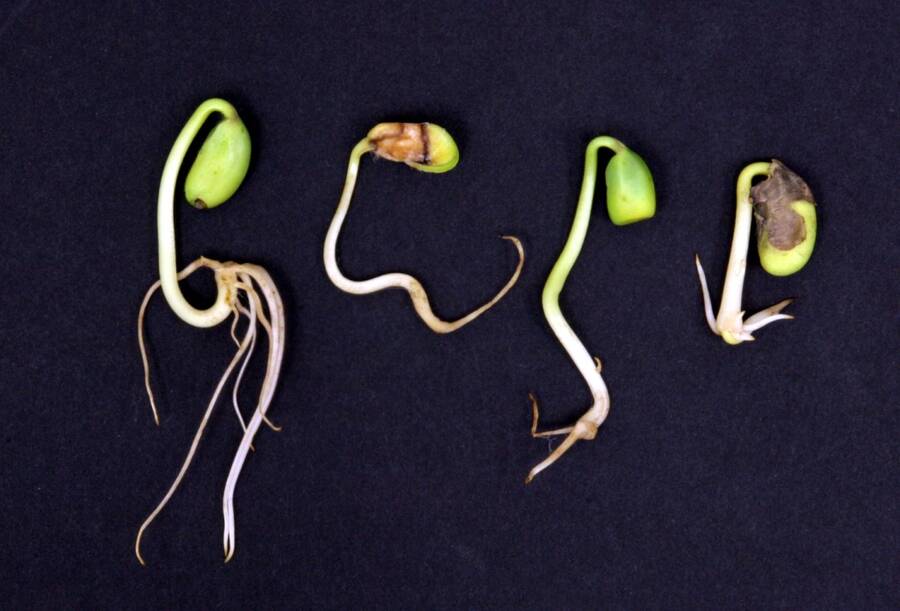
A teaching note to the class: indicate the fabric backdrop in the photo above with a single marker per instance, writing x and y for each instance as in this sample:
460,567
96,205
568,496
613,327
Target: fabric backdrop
757,476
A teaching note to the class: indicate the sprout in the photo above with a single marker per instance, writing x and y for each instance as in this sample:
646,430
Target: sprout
426,147
785,214
630,197
244,290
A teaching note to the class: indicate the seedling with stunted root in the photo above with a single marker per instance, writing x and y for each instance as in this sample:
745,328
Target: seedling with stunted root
785,214
245,291
630,197
425,147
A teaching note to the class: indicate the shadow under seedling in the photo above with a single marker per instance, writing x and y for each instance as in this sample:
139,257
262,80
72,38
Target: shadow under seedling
244,290
425,147
785,214
630,197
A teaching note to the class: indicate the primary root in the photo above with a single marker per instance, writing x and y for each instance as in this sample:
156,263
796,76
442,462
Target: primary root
275,330
239,278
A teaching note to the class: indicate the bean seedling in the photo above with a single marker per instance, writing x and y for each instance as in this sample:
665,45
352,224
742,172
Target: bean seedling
425,147
785,214
630,197
244,291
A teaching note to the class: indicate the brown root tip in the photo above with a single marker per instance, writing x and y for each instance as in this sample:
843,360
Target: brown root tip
137,550
423,308
535,416
199,204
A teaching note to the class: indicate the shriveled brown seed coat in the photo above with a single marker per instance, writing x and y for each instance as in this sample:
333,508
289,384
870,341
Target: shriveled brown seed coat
406,142
772,199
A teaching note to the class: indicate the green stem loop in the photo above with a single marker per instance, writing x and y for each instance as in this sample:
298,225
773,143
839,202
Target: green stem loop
168,272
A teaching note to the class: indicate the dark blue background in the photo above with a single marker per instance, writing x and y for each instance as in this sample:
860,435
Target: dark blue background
750,477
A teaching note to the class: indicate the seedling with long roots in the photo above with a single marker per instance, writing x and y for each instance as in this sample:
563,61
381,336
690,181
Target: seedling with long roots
785,214
425,147
630,197
244,291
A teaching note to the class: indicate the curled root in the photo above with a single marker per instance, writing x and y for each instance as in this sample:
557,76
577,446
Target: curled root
241,279
397,280
423,307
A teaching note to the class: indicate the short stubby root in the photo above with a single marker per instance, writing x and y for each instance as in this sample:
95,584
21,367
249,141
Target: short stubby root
252,295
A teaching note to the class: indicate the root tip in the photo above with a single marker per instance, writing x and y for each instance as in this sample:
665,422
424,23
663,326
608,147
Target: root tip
137,547
535,416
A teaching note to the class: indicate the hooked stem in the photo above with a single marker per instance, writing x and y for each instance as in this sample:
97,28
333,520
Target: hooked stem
729,320
730,323
231,279
566,261
168,272
590,421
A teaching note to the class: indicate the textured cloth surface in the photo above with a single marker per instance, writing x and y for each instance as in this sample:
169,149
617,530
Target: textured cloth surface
757,476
